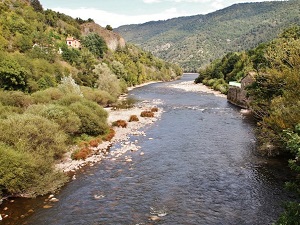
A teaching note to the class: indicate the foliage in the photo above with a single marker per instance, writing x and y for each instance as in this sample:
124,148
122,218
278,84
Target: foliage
291,216
25,173
68,121
95,44
33,134
50,94
92,123
12,75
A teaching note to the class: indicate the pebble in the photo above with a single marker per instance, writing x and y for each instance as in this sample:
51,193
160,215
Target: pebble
51,196
53,200
0,217
142,153
47,206
154,218
5,209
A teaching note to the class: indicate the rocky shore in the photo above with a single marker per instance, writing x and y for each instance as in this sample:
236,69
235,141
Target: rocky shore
66,164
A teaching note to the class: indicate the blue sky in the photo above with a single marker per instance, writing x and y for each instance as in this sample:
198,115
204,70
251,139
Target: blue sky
122,12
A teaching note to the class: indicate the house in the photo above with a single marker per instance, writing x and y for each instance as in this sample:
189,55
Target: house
237,93
72,42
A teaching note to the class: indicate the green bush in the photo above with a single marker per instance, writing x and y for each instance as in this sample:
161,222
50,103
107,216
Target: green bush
47,95
93,122
25,173
64,117
99,96
15,98
69,99
34,134
211,82
5,111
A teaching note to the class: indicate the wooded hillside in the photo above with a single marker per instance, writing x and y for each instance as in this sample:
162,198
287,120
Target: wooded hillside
194,41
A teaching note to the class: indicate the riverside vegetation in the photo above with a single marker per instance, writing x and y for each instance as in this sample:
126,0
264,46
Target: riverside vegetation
274,98
52,96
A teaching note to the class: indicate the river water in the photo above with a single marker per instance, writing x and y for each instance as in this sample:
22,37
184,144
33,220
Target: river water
199,167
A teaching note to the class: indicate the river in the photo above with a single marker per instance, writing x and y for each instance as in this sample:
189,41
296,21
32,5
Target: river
199,167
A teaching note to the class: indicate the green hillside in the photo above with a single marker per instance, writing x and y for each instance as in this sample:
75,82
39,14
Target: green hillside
196,40
52,91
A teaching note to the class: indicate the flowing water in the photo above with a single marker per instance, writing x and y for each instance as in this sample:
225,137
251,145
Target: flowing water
199,167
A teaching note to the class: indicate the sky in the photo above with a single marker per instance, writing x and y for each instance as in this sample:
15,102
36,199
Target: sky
123,12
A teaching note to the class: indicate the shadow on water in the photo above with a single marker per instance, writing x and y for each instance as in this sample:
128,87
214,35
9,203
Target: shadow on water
199,167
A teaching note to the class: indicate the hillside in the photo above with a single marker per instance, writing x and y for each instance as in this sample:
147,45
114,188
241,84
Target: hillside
56,75
196,40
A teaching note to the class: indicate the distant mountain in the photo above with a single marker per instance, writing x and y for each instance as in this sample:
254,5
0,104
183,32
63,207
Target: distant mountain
196,40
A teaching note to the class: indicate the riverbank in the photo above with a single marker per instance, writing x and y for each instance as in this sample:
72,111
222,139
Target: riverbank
192,87
66,164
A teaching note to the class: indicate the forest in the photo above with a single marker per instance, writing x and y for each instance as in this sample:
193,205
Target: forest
52,95
275,99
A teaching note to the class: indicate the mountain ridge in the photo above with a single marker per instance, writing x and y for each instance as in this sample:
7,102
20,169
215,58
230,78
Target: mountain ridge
194,41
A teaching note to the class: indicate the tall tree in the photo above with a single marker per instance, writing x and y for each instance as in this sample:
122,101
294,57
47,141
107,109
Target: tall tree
36,5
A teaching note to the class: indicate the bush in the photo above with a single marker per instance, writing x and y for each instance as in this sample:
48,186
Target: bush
34,134
120,123
48,95
133,118
82,153
125,104
211,82
93,122
15,98
6,111
69,99
154,109
64,117
95,142
25,173
99,96
147,114
109,135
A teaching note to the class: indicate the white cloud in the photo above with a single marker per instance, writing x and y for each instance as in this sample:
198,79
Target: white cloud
151,1
104,18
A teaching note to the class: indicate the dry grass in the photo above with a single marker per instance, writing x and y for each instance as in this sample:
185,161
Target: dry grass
120,123
133,118
147,114
110,135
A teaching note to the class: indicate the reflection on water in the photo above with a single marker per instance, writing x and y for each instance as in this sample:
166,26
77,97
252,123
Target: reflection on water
199,167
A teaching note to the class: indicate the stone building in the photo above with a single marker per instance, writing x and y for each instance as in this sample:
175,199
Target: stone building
237,93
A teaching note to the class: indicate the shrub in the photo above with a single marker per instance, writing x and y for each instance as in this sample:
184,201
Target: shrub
211,82
69,99
82,153
120,123
25,173
99,96
109,135
133,118
125,104
34,134
64,117
92,122
15,98
147,114
6,111
154,109
48,95
95,142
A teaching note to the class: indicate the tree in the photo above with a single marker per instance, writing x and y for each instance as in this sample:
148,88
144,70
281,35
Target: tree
95,44
12,75
36,5
108,27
